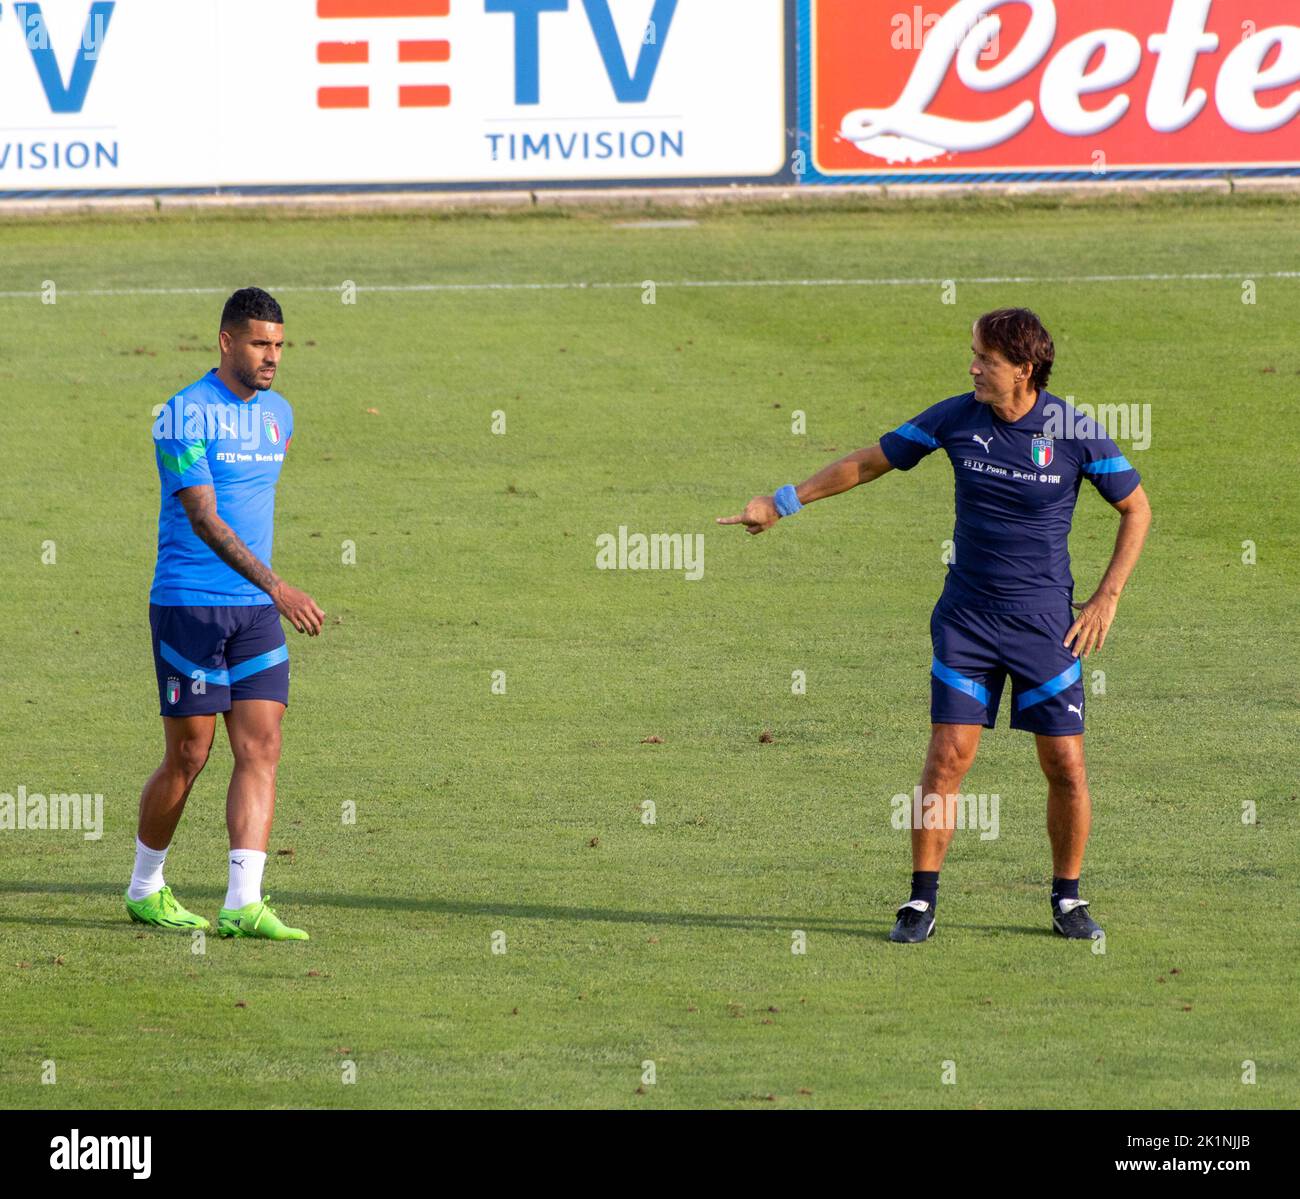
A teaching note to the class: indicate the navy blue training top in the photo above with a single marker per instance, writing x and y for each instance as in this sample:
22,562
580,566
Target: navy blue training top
1016,487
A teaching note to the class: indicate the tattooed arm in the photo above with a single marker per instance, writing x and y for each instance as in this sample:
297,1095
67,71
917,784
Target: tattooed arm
297,607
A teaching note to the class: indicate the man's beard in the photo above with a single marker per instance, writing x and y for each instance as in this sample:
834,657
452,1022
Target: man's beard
254,380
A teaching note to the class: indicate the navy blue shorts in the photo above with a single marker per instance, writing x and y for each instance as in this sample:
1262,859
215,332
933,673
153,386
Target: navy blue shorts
208,657
975,651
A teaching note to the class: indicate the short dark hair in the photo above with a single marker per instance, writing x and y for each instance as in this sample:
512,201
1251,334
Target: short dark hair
1018,335
250,304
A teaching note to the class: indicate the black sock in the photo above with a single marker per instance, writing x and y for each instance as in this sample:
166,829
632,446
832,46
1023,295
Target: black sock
925,885
1064,888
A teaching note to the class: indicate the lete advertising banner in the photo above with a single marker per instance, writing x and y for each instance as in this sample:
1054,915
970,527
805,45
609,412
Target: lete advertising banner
956,89
158,94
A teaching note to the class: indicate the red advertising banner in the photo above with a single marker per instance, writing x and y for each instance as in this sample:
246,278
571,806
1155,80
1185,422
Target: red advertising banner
1053,85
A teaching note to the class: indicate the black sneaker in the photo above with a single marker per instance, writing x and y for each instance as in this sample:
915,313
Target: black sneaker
1070,918
915,922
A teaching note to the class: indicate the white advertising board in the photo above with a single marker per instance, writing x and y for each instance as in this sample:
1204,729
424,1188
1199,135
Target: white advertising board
246,93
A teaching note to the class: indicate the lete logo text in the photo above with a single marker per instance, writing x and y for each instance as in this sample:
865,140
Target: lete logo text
1168,82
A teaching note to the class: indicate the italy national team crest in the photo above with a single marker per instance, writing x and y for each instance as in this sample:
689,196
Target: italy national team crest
173,689
273,429
1041,452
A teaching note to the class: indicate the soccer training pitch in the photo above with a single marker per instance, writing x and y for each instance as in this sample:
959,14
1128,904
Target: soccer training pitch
526,808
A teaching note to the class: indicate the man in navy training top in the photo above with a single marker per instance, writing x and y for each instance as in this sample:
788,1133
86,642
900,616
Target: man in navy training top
215,610
1019,454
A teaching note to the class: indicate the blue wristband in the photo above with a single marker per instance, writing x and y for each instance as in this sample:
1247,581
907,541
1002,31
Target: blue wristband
787,500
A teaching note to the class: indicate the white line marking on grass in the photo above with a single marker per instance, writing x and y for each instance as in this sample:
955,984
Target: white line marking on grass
414,288
686,224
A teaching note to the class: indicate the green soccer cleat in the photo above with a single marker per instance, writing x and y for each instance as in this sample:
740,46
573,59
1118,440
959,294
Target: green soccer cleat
162,910
257,920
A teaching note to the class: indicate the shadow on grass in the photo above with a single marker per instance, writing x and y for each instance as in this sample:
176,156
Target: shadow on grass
868,929
61,922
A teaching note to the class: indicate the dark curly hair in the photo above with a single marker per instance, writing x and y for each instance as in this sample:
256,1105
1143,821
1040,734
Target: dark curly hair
1018,335
250,304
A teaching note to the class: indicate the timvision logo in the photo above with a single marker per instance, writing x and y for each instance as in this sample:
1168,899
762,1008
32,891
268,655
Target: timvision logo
28,24
410,94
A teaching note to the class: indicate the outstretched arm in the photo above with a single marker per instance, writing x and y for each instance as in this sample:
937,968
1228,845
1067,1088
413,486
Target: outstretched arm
297,607
1089,631
861,466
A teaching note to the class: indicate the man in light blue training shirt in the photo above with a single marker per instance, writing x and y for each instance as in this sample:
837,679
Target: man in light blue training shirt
215,610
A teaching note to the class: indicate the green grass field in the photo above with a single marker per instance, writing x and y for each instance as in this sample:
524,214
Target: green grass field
521,813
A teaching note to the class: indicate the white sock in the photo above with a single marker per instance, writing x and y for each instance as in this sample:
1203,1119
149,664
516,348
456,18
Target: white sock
147,877
245,878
